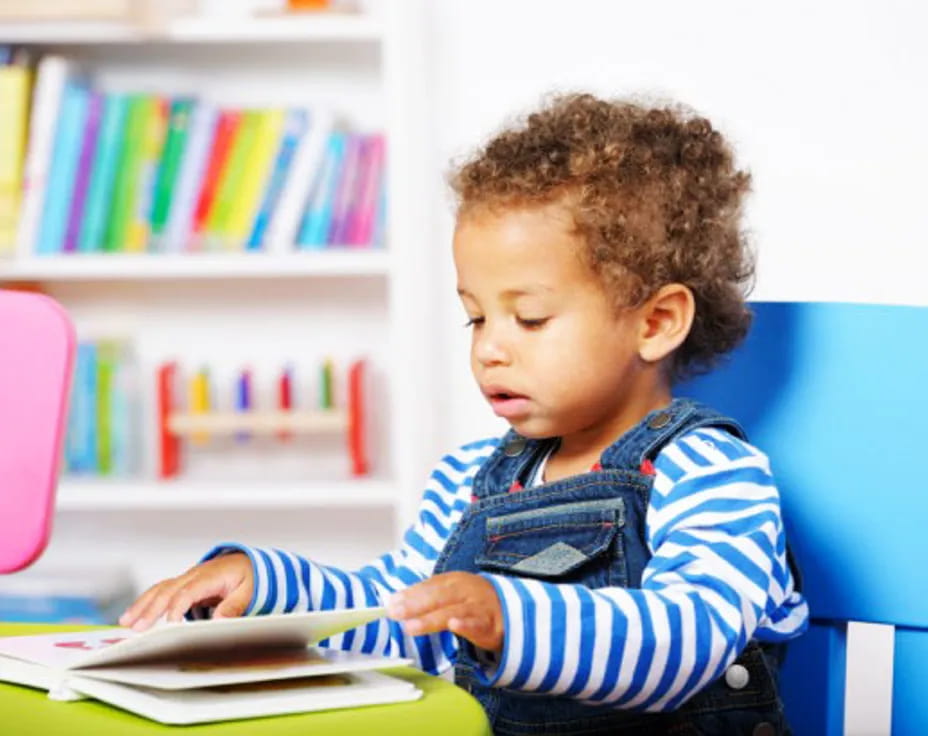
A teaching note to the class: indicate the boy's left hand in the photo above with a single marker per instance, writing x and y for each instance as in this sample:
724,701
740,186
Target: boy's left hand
461,602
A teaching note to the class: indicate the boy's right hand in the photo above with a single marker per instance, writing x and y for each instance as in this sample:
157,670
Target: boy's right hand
226,582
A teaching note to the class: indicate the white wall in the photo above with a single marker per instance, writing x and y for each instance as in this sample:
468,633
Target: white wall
824,102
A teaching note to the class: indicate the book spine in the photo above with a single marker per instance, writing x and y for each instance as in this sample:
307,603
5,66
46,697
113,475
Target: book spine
308,160
127,175
294,129
105,368
226,126
14,118
169,168
190,178
51,77
68,139
153,131
254,177
84,166
230,181
345,191
103,177
315,227
369,194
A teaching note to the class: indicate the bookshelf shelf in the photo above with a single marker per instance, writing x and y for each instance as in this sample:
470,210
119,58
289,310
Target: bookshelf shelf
309,27
114,494
145,266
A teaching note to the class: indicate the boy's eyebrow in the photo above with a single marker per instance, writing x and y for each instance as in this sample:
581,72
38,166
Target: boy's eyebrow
509,293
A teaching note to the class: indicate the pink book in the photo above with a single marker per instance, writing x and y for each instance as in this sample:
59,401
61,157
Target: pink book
368,194
338,232
84,168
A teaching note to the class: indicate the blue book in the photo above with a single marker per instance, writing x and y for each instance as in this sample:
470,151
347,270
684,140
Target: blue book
69,137
103,176
294,128
315,228
6,54
81,442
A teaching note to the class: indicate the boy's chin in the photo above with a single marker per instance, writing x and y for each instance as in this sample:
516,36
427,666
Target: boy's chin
532,429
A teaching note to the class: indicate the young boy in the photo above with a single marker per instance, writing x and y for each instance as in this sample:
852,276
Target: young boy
620,552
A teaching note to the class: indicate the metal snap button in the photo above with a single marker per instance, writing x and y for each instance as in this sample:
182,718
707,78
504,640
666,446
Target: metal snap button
658,421
514,447
737,676
764,729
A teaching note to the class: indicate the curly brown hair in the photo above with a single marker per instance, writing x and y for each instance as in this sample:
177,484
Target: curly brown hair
654,194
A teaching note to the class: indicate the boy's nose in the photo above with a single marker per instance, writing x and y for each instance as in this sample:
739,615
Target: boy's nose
490,351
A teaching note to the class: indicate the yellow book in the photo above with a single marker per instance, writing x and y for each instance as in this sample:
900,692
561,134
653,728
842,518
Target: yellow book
15,84
255,175
200,402
153,132
230,179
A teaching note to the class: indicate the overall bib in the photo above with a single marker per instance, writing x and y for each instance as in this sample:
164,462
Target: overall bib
601,516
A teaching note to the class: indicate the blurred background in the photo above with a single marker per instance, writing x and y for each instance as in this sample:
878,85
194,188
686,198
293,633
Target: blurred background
243,206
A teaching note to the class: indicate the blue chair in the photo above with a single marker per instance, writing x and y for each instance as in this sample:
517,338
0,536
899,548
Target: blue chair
836,395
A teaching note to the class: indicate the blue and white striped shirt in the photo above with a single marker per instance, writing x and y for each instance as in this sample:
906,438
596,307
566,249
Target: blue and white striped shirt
718,577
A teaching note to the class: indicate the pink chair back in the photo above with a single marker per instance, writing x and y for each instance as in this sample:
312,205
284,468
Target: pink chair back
36,358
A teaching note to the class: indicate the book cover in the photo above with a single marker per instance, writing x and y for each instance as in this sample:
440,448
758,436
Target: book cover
153,132
127,175
63,169
230,181
169,167
316,221
294,129
15,84
345,190
255,174
226,126
103,174
51,76
193,165
209,670
84,166
308,160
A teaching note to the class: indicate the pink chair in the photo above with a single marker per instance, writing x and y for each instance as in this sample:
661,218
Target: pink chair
36,358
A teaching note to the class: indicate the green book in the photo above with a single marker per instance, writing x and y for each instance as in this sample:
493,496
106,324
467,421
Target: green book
106,367
230,182
128,172
171,157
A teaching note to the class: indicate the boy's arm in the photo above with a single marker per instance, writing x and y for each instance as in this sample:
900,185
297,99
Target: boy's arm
718,571
285,582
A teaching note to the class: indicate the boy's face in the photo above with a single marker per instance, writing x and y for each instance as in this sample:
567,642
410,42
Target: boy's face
549,350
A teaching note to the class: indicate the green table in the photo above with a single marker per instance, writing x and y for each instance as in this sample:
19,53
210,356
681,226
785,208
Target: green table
443,707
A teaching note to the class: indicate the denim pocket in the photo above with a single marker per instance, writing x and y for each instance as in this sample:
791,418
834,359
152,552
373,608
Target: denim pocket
572,542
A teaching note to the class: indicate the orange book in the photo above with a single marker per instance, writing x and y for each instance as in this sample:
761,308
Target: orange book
228,123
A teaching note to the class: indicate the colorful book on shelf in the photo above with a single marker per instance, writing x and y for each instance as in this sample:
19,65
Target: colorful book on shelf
230,180
364,205
128,172
295,126
84,169
103,174
81,438
69,135
226,127
106,367
211,670
193,166
52,75
256,170
318,215
345,191
15,88
179,118
139,228
284,228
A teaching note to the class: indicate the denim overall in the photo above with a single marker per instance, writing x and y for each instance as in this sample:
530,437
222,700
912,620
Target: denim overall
590,529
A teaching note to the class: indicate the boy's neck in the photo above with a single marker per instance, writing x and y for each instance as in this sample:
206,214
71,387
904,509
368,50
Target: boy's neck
580,451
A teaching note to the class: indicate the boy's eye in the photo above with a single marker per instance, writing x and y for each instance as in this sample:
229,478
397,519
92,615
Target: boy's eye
532,324
474,322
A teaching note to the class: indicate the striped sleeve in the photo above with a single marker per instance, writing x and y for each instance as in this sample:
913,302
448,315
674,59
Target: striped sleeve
717,578
285,582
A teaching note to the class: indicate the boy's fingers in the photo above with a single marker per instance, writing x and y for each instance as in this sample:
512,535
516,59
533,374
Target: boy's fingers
235,603
433,621
477,629
437,592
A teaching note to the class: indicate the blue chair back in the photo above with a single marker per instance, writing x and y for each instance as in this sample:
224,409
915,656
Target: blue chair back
835,394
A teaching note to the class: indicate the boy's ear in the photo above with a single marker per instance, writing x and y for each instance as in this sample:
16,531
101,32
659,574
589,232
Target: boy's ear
666,319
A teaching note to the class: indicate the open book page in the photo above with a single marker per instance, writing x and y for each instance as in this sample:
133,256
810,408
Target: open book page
185,639
251,700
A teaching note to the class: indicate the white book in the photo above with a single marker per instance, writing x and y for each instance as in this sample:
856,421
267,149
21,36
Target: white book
307,162
198,671
51,76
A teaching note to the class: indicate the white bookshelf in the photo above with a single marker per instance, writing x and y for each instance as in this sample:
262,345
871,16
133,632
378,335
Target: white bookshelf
263,309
